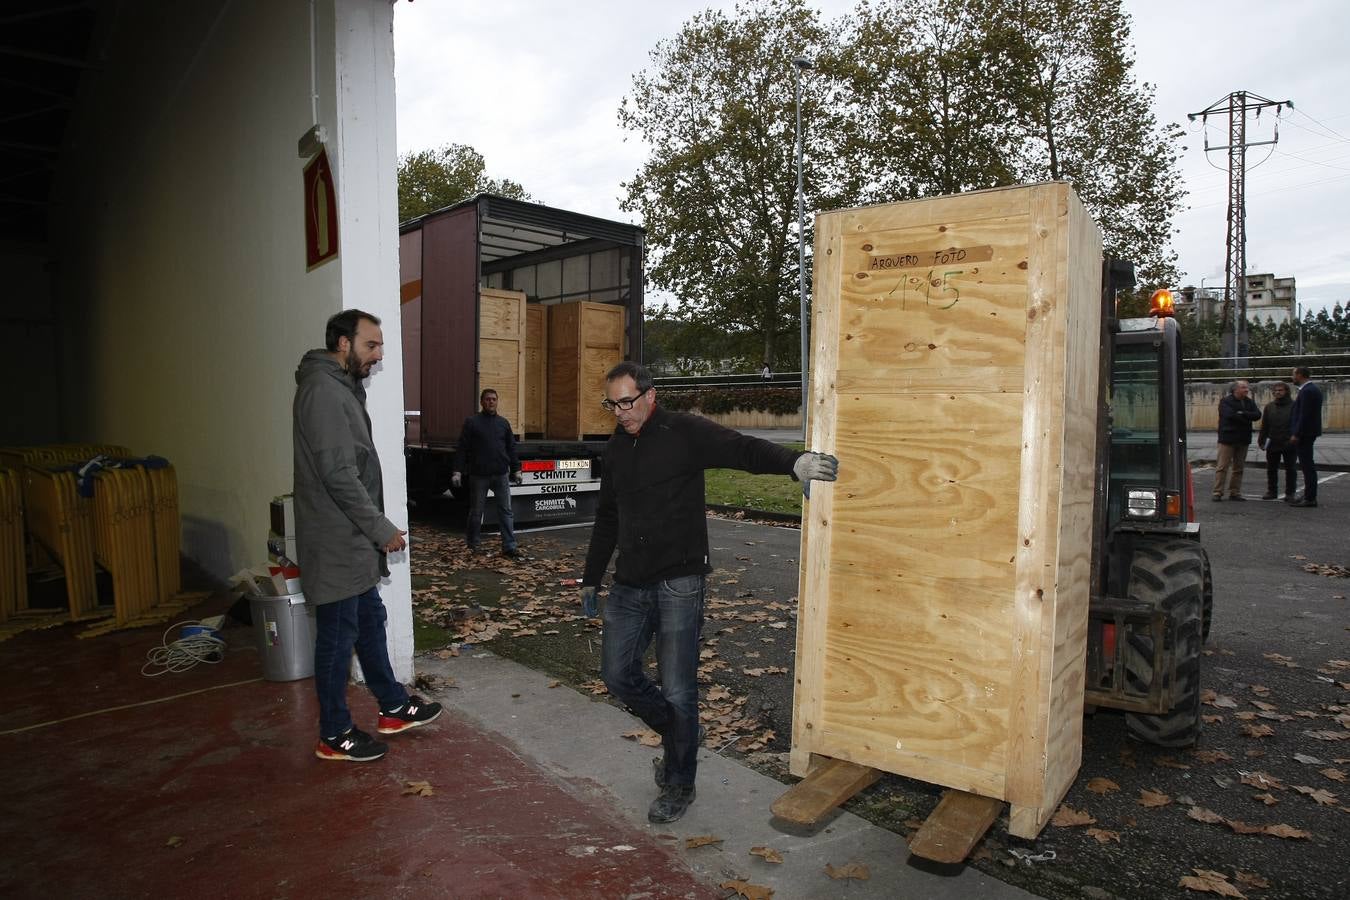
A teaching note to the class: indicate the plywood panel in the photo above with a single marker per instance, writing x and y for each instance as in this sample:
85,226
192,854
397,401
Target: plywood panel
501,351
945,575
585,342
536,369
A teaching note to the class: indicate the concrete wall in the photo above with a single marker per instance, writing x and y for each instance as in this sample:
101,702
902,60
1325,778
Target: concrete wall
1202,403
181,263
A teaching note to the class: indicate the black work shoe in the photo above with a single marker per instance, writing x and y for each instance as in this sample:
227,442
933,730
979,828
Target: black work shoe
512,552
353,745
1290,498
1268,495
671,804
411,714
1238,497
1217,498
1306,504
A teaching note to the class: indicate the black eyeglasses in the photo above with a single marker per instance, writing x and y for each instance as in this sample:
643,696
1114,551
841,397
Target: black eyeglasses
625,403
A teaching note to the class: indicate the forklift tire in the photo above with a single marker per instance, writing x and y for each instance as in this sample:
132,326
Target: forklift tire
1208,597
1169,573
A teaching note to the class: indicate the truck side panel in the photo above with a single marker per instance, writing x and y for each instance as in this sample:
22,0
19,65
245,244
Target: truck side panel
449,323
410,317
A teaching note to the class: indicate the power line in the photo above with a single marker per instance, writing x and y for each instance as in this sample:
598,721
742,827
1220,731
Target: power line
1237,105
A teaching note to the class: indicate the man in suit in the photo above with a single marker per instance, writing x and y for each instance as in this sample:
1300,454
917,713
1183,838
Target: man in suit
1305,426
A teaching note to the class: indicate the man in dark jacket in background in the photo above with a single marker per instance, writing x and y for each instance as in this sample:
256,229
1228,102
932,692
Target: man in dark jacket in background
1305,427
1237,412
1274,439
343,537
487,451
652,507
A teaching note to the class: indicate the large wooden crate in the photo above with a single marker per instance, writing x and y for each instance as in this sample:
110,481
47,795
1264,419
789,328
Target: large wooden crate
536,370
501,351
585,341
945,576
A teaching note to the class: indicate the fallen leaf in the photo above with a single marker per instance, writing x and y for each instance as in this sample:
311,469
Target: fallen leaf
1200,814
1308,760
1287,831
174,841
1211,720
856,871
1103,836
1218,700
1152,798
555,683
1280,659
1267,798
1333,774
1328,735
747,890
1068,817
1208,757
1250,879
1268,707
1210,883
701,840
1257,731
644,736
1102,786
417,789
1262,780
1323,797
1168,762
768,854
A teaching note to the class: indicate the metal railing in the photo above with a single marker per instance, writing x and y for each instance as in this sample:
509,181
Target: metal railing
744,382
1324,367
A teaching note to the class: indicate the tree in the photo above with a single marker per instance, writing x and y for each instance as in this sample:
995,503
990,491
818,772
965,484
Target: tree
1086,120
429,180
716,193
925,112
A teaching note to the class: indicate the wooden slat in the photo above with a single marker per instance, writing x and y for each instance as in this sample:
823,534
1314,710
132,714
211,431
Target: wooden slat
830,783
953,829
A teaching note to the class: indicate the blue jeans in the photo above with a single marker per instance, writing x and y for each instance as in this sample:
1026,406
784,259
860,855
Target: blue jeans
357,622
672,612
501,490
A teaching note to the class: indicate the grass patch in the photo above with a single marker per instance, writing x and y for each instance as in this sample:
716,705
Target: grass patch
769,493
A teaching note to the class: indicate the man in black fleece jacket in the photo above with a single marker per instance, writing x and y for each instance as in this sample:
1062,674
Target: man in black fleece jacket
487,451
652,507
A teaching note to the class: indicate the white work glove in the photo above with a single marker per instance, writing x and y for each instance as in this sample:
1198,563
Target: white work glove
456,480
812,466
590,601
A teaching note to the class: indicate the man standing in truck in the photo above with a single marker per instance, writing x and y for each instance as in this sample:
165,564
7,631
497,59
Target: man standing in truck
343,538
487,451
652,507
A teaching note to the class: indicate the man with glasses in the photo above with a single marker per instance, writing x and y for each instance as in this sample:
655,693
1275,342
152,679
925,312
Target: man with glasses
652,508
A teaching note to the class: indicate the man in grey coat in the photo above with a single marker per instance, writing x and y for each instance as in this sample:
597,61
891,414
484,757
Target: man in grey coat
343,537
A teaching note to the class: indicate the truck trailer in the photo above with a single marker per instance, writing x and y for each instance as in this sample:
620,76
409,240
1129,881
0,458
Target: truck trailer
535,303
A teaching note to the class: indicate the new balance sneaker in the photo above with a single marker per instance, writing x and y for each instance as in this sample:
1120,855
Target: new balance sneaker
353,745
410,715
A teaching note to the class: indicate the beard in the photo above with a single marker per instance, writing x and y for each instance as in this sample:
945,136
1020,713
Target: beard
355,367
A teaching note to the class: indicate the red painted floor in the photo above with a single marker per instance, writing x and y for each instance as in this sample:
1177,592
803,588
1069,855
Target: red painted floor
91,806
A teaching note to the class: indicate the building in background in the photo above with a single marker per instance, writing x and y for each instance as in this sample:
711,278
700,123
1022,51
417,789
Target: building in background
1270,299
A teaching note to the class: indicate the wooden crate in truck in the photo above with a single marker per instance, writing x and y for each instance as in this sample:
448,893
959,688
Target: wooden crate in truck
945,576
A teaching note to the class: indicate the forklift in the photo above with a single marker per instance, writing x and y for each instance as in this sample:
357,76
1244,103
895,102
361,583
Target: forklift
1153,596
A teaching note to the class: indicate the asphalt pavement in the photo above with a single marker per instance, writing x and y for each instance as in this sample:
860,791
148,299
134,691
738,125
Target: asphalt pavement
1272,661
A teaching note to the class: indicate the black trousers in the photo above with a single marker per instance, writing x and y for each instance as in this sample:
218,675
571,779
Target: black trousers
1305,462
1283,458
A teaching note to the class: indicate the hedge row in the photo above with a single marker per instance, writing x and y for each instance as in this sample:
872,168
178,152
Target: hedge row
714,401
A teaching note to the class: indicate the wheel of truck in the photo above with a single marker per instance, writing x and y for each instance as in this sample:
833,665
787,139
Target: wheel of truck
1170,574
1208,608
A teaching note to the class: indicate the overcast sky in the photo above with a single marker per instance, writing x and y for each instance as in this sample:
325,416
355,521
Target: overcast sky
535,86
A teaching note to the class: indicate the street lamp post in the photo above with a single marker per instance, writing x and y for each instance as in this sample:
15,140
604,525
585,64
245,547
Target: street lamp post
799,65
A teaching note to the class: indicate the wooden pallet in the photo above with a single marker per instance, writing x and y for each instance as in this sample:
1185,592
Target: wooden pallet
944,577
61,521
13,569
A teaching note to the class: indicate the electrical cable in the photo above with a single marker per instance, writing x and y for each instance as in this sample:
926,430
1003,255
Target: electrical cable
205,646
